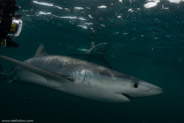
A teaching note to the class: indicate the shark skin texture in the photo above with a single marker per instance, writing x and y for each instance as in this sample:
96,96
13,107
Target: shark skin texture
79,78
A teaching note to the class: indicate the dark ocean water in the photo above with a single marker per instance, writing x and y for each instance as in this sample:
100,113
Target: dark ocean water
147,43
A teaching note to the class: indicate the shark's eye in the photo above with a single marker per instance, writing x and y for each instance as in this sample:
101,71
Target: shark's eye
135,85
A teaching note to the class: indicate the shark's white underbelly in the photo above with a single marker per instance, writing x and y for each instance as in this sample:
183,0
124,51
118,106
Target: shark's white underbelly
79,89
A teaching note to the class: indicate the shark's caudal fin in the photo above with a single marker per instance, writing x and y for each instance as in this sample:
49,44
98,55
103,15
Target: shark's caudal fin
39,71
41,51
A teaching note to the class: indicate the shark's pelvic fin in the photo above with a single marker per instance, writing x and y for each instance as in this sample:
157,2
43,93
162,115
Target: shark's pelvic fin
39,71
41,51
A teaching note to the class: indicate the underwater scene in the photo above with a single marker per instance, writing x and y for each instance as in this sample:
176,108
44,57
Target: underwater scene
140,38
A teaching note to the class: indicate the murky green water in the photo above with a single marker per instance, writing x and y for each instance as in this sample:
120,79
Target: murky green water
146,42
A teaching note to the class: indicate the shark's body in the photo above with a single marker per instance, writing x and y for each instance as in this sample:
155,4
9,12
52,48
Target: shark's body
80,78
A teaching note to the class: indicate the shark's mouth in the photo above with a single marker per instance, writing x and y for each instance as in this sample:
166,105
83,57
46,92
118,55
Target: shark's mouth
127,96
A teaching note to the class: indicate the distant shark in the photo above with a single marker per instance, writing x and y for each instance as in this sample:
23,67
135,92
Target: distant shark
79,78
96,54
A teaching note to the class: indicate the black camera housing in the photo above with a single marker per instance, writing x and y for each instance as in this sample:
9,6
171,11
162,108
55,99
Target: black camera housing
7,14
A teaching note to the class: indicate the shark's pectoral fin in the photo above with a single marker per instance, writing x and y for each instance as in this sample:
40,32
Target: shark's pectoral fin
37,70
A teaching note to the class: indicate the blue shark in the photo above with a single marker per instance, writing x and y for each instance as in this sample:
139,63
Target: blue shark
80,78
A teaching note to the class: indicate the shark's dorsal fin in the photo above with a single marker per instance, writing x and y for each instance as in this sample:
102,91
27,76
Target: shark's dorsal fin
99,49
41,51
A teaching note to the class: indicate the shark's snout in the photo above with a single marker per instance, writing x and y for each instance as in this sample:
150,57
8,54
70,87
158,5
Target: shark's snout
155,91
151,89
